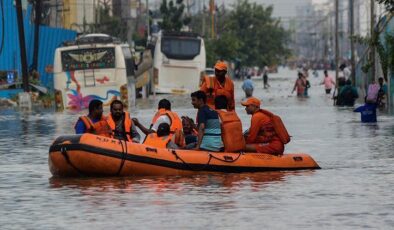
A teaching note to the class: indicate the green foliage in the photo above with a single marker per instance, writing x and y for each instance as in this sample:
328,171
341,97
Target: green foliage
388,3
173,17
248,33
108,24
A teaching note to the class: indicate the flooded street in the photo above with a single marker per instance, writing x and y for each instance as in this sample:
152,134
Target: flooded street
353,190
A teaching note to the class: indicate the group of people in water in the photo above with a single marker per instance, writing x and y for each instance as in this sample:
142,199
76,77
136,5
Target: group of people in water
217,128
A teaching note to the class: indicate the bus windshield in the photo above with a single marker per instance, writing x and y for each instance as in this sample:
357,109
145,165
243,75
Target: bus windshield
180,48
94,58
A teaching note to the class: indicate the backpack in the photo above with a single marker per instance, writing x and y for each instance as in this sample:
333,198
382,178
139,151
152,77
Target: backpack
279,127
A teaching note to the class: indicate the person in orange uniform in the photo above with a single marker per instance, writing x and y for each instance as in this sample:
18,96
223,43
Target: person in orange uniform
221,84
262,137
121,125
94,122
162,138
164,115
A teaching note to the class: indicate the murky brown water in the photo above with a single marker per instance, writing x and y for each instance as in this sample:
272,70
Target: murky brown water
353,190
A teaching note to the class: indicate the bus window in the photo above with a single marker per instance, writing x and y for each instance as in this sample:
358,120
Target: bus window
180,48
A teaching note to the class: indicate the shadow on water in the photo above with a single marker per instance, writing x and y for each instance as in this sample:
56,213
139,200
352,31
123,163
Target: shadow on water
230,182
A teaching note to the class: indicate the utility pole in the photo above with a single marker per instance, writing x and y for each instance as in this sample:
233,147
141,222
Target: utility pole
352,58
21,32
203,20
37,23
372,37
336,40
147,19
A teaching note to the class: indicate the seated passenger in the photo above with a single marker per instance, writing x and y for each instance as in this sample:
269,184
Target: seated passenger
231,126
121,125
209,132
262,137
164,115
94,122
162,138
189,130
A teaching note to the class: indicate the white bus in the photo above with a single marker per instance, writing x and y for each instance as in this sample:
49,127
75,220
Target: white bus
95,66
179,62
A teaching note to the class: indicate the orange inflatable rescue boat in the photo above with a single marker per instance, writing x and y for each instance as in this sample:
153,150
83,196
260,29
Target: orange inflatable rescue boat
92,155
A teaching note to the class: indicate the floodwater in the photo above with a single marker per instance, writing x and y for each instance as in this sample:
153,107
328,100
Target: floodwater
353,190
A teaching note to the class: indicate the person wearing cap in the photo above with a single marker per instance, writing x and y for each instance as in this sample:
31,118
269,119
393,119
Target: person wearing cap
262,137
221,84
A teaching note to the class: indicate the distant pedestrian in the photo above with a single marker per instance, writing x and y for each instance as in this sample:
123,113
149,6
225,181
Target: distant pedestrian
347,95
328,82
382,93
300,85
265,77
248,87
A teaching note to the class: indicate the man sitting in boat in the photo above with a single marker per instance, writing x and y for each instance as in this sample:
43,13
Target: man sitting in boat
262,137
94,122
231,126
209,132
221,84
164,115
121,124
161,138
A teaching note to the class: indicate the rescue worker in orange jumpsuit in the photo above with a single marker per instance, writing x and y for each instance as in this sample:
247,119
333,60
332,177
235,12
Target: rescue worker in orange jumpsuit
262,137
121,124
221,84
94,122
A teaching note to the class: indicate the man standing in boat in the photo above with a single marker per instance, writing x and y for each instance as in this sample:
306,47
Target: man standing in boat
262,136
94,122
209,131
221,84
121,124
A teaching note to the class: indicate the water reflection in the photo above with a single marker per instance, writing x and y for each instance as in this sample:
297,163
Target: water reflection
231,182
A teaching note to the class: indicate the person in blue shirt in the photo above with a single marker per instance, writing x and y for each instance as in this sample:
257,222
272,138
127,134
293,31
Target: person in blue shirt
368,112
248,87
209,130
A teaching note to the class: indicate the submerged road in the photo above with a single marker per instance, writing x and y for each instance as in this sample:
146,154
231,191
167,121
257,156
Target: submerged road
353,190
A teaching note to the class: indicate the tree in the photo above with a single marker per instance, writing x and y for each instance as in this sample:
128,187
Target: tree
173,16
261,38
388,3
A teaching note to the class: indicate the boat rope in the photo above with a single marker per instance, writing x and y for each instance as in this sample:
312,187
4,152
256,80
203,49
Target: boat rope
227,159
189,165
63,151
124,154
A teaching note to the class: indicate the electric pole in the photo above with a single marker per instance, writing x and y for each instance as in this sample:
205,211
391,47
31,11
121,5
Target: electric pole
336,40
373,40
22,46
352,58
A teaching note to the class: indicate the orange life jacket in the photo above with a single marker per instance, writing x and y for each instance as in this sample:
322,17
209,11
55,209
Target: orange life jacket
159,142
127,123
279,127
99,128
215,90
232,135
176,122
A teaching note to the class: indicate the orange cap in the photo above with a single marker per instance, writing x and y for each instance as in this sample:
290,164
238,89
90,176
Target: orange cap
251,101
220,65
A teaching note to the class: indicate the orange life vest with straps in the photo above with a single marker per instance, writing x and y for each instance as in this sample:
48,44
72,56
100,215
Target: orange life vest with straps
176,122
99,128
159,142
215,89
175,127
232,135
279,127
127,123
